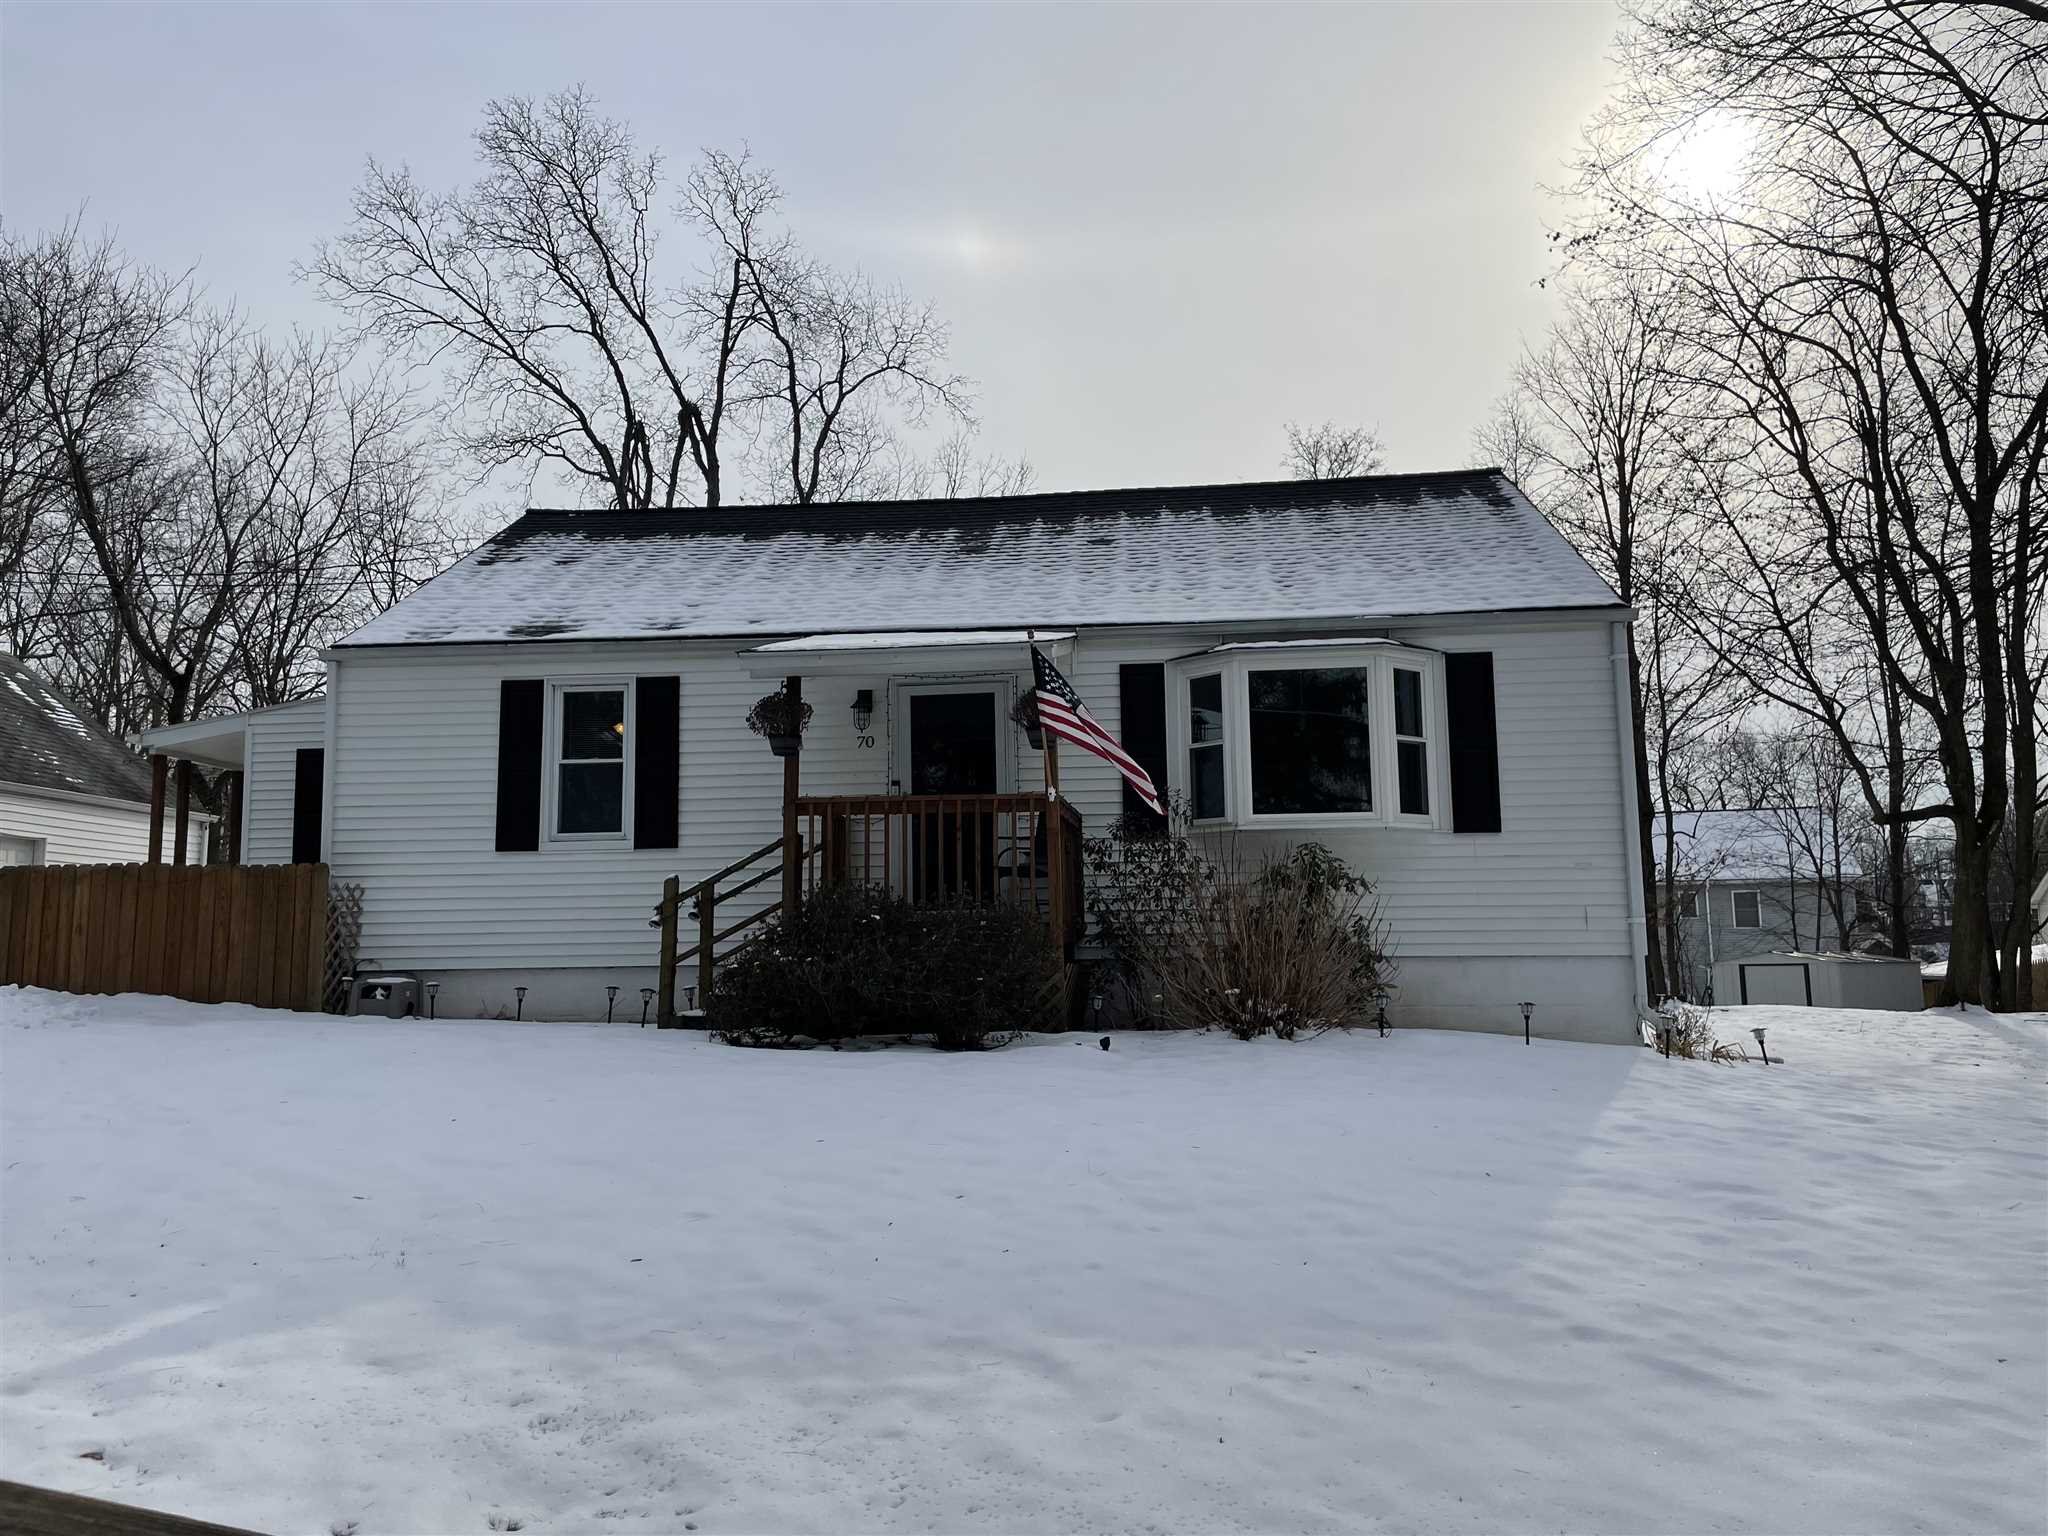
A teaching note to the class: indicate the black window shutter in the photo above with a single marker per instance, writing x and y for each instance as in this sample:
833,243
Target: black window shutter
522,711
309,776
1474,742
1141,686
656,762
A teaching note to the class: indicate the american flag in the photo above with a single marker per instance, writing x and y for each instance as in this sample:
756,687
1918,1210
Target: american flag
1061,712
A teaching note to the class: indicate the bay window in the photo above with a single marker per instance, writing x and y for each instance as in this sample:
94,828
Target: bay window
1306,734
1310,730
1411,743
1206,772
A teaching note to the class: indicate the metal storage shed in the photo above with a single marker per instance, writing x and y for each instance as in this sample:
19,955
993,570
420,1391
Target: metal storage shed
1819,981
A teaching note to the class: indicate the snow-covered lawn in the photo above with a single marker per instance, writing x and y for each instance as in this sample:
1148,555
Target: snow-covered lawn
298,1273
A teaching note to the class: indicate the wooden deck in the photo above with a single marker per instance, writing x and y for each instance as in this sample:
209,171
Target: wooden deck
1013,848
1016,848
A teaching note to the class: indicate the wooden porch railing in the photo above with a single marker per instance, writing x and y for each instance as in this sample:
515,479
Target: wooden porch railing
700,902
1016,848
1020,848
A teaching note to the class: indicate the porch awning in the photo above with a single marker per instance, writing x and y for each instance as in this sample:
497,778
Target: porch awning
865,653
222,742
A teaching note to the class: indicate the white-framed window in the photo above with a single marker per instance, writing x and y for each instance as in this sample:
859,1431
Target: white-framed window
1309,735
590,760
1689,904
1208,776
1749,908
15,851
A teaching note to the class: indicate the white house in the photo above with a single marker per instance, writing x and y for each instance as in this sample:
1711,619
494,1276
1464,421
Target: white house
70,792
1415,670
1749,881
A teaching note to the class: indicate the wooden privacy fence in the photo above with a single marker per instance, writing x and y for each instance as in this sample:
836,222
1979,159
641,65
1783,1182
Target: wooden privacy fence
247,933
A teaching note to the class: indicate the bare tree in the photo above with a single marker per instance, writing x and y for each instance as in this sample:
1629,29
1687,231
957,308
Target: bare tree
1591,421
952,470
1331,452
1870,300
1800,785
1509,440
536,288
222,496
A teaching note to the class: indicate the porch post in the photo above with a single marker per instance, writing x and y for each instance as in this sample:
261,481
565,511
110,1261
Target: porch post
159,767
231,818
184,810
792,855
1055,831
665,983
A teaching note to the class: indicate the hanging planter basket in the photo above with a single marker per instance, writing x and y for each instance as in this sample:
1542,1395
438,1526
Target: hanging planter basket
782,720
1025,713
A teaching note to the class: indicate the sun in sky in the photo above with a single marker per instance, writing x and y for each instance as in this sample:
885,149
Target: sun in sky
1704,160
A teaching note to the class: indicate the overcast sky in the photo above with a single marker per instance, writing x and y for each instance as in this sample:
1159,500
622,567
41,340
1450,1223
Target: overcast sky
1158,233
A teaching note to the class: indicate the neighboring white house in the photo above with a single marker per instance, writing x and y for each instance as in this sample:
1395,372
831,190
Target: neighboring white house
1747,884
1415,670
70,792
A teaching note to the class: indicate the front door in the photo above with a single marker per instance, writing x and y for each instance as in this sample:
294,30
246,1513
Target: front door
951,745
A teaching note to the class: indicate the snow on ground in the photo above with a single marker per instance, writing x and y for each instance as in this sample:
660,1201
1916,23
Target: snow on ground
295,1273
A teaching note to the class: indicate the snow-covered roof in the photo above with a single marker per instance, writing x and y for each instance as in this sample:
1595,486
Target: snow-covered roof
1378,546
47,743
1759,844
908,639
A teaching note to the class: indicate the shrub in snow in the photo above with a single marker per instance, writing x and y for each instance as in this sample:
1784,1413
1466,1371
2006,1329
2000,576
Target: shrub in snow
1691,1037
1296,946
1146,886
860,962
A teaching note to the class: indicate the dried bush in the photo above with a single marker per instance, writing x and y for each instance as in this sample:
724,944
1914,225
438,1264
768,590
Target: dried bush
1296,947
1688,1034
860,962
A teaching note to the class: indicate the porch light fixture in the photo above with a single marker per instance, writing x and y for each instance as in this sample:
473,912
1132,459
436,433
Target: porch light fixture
646,1002
611,995
1527,1009
520,1011
863,708
1761,1048
433,992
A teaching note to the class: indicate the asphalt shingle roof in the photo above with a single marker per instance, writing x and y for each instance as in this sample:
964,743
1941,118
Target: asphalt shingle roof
1378,546
47,743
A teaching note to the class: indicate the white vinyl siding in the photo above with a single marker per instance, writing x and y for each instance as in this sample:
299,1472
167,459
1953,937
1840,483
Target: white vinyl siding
270,774
1552,881
79,831
414,770
414,766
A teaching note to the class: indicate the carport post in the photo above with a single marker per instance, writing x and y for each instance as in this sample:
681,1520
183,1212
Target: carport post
159,768
184,810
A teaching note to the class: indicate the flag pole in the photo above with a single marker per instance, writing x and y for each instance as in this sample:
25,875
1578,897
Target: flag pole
1055,823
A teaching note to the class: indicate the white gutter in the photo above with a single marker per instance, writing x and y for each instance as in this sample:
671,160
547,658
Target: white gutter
330,762
1631,832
